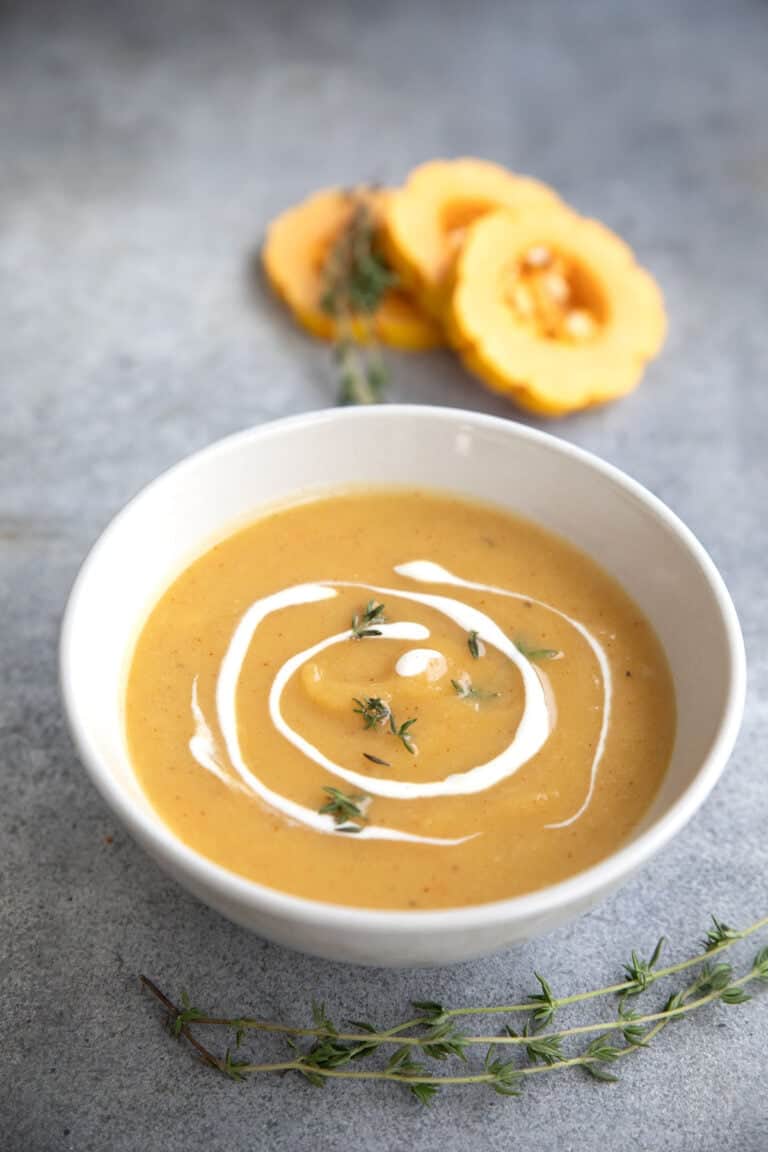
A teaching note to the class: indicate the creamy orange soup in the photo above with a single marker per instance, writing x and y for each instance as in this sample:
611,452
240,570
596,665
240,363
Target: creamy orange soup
397,699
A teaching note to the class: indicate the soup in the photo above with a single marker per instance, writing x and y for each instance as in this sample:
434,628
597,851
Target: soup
399,699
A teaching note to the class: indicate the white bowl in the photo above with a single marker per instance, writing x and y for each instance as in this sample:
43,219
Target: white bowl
626,529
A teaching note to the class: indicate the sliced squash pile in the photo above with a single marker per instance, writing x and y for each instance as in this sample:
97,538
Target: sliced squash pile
427,220
542,305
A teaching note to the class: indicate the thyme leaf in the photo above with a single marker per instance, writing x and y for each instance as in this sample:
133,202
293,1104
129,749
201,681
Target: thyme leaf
534,654
376,713
475,645
465,690
403,733
366,622
718,934
344,809
377,760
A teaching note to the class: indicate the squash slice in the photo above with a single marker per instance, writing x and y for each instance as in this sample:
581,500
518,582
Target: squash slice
552,310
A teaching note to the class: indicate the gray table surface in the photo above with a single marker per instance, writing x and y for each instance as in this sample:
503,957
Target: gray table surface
143,148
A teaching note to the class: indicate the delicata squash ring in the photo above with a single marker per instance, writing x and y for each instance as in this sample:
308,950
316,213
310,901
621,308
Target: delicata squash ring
426,219
294,255
553,311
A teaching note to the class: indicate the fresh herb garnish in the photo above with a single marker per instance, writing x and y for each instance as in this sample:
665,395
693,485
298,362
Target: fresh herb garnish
355,280
364,623
344,809
510,1058
537,653
465,689
475,645
377,760
718,934
402,733
374,711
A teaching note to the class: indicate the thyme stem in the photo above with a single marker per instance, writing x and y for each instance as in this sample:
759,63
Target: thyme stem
616,989
174,1013
394,1035
332,1051
356,279
487,1077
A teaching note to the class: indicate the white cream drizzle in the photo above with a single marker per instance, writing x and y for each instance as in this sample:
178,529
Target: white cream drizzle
203,745
426,572
226,691
550,697
531,734
537,720
420,662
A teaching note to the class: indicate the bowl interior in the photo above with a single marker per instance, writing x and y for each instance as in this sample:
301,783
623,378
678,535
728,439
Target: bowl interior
634,537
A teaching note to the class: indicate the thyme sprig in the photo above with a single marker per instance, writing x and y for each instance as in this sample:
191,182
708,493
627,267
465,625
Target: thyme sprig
533,654
432,1034
366,622
402,731
376,713
346,810
374,710
475,645
355,280
718,934
465,690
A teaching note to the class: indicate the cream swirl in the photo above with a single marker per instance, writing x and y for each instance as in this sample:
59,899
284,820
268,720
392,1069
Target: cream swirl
425,571
531,734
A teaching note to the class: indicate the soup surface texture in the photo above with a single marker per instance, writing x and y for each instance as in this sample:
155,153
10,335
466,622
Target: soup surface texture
397,699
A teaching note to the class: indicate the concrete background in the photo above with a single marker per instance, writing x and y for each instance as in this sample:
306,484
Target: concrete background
143,147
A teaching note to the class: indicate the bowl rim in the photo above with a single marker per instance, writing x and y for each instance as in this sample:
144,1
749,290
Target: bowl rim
590,882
